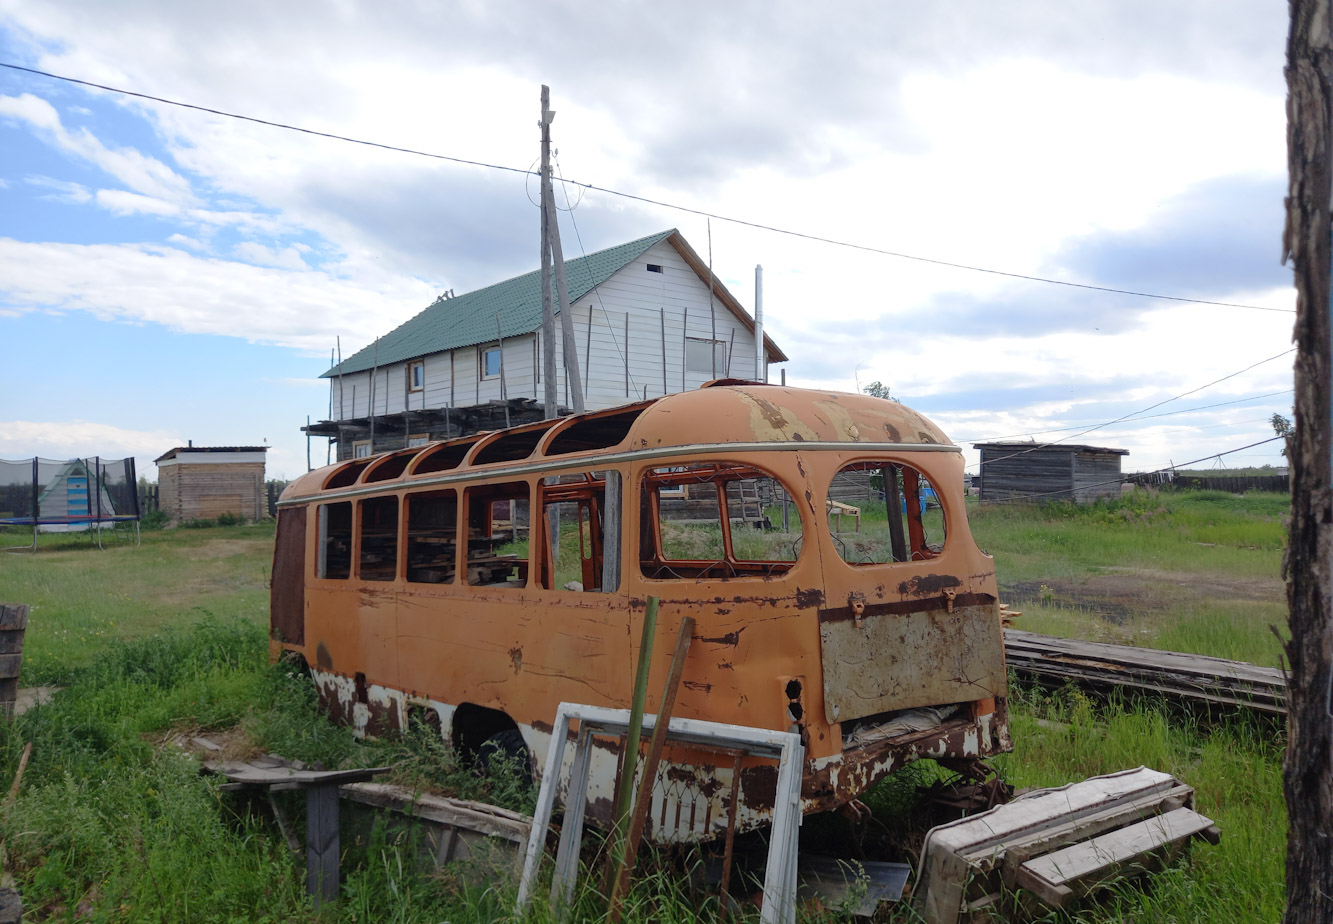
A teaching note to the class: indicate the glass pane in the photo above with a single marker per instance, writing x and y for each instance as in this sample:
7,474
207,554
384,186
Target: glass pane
491,361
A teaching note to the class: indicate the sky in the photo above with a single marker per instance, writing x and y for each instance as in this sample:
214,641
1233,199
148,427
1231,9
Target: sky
169,275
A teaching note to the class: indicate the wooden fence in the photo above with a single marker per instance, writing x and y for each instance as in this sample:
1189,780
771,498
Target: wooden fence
148,497
1233,484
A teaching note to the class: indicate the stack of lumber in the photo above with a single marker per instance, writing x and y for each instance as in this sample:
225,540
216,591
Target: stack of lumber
1185,677
1055,846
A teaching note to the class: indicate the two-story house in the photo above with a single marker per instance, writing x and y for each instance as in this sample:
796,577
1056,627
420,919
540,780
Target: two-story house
644,325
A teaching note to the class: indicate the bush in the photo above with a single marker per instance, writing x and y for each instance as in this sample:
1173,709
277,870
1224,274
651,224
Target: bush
155,519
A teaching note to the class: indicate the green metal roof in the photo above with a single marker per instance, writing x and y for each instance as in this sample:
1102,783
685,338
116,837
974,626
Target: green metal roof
469,319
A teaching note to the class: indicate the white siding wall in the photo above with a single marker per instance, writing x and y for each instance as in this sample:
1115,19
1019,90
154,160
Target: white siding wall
675,299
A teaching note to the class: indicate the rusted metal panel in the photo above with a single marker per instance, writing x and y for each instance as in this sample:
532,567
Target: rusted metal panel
288,586
882,661
766,632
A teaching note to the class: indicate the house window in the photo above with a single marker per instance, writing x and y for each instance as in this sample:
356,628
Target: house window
654,267
416,376
417,439
361,449
708,357
491,362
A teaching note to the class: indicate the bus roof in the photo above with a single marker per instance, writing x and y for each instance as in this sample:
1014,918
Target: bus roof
720,414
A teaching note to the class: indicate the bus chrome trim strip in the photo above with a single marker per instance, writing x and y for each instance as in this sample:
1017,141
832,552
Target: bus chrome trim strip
592,462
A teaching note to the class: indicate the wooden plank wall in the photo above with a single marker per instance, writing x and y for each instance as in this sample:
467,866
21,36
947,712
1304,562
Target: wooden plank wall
1013,474
1096,474
208,490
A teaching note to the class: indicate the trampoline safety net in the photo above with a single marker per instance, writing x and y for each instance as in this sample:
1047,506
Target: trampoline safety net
76,494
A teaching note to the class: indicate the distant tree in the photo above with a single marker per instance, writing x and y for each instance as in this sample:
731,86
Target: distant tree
879,390
1282,427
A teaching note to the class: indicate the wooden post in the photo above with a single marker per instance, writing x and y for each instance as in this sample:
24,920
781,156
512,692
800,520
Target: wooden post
630,756
548,311
13,625
1308,767
321,842
894,504
620,884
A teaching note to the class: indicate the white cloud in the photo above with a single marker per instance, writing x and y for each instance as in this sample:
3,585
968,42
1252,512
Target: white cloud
68,439
180,240
61,190
287,258
165,285
128,203
146,175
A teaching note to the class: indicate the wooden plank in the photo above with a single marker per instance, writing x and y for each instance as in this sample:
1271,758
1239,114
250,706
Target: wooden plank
1172,674
322,843
1091,862
458,813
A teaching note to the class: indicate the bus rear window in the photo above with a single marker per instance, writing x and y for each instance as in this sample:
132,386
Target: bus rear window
881,512
716,520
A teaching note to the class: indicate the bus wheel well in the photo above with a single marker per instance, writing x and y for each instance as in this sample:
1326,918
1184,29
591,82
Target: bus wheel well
295,661
473,725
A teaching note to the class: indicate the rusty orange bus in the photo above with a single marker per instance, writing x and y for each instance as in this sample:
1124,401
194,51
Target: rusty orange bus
819,540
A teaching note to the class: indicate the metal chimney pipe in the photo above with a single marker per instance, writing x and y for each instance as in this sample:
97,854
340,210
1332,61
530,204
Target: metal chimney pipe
760,367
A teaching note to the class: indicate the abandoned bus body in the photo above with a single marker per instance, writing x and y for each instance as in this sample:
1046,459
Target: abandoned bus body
819,541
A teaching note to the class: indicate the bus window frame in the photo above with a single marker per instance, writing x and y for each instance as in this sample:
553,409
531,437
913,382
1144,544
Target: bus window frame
649,505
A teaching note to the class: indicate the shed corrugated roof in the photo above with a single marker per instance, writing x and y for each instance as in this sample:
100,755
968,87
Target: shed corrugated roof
1059,447
470,319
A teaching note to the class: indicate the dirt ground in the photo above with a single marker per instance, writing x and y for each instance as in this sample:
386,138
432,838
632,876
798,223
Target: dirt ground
1120,594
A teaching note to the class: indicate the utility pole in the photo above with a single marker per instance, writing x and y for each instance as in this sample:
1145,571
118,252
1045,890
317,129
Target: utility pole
551,250
1307,773
548,311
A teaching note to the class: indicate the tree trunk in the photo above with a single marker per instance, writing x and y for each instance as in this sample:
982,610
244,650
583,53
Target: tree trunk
1308,768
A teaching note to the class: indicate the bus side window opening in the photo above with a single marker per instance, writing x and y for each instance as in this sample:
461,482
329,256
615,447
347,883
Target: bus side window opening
897,513
432,537
379,539
497,534
335,541
716,520
580,538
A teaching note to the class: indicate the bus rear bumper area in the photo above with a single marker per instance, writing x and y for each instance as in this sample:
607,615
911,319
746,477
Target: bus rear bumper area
874,748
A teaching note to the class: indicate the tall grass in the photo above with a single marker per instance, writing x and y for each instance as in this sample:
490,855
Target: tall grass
1235,769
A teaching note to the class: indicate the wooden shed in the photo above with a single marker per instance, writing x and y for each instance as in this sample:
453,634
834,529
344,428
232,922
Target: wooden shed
205,482
1041,472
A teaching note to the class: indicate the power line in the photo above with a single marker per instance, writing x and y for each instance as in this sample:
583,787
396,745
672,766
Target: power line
1150,407
1189,410
650,201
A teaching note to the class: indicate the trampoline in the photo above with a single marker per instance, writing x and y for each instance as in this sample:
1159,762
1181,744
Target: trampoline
75,495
